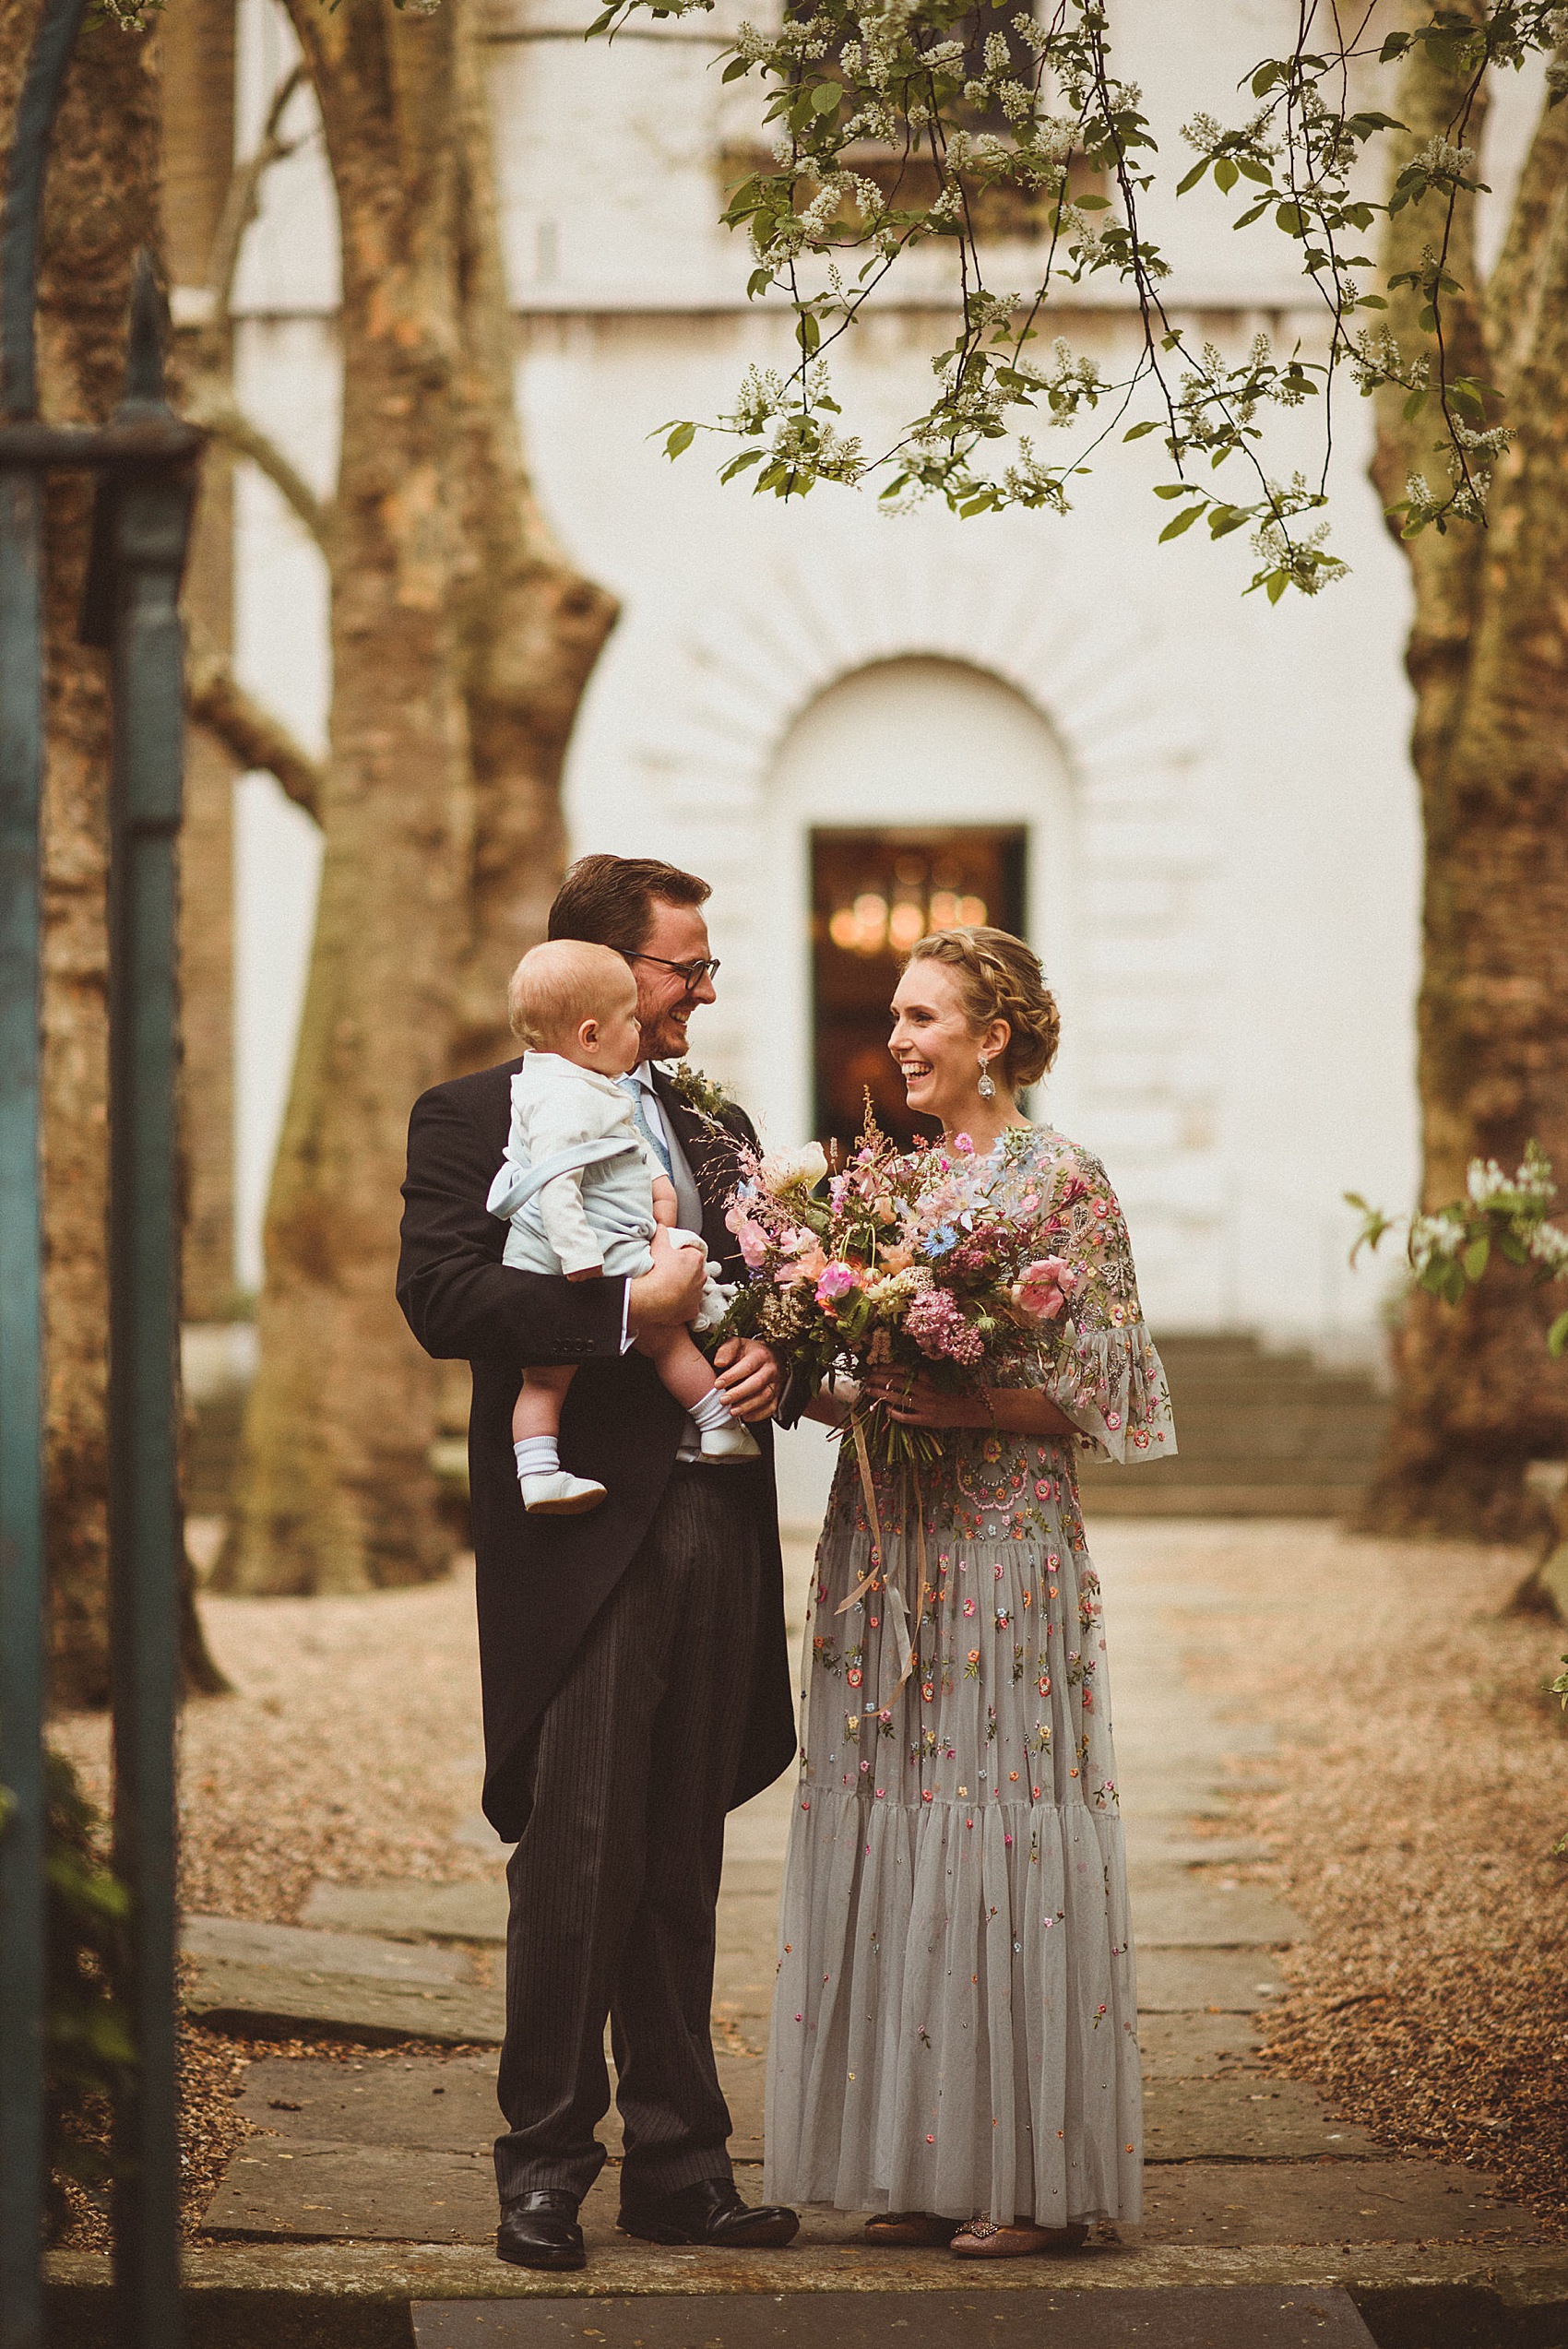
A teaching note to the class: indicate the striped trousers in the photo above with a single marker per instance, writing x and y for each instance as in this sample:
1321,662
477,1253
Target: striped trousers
615,1882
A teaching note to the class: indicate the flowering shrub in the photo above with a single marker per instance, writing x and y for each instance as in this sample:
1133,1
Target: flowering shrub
894,1259
1452,1247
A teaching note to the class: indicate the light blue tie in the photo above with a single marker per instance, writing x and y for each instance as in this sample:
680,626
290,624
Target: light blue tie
633,1092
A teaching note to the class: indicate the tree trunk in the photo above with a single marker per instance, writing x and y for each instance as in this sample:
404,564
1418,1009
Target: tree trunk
195,52
1478,1398
462,640
100,205
334,1488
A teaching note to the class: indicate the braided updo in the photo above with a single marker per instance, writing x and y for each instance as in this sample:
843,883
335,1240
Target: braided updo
1000,978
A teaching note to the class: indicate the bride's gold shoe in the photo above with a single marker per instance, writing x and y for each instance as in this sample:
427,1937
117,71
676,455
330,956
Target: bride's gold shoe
982,2238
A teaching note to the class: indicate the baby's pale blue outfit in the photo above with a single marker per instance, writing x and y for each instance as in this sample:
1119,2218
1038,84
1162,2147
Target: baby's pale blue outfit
576,1185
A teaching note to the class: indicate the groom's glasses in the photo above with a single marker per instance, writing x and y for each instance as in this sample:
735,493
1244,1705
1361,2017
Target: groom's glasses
692,973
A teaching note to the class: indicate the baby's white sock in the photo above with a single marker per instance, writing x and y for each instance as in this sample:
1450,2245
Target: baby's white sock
712,1411
537,1456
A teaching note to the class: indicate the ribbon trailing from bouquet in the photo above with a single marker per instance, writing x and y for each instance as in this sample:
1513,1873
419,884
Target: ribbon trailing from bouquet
906,1635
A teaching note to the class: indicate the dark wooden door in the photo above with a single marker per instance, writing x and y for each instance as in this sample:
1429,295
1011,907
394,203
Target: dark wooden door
874,894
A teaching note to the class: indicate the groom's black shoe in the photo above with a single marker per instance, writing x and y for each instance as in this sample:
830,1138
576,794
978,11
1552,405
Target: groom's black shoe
711,2212
540,2230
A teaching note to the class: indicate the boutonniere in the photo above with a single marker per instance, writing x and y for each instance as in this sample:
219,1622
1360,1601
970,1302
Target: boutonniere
698,1092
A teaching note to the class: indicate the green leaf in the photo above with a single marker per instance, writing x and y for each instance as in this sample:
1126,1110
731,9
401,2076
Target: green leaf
1223,519
1289,217
1092,203
1224,175
681,438
1252,213
735,69
1139,431
1267,75
1557,1337
1182,521
1475,1257
825,97
1194,176
1414,405
808,334
1250,165
1177,489
1275,585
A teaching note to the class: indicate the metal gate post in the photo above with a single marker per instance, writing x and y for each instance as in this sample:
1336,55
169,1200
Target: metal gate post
141,526
22,1655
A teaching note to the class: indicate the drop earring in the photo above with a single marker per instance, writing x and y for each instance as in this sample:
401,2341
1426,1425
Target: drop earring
987,1086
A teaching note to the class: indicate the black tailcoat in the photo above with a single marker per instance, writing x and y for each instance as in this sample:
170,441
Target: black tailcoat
541,1580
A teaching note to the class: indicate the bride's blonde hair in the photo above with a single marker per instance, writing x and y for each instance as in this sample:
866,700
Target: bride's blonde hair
1000,978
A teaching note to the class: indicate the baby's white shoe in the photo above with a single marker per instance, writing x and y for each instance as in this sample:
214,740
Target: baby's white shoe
732,1443
557,1494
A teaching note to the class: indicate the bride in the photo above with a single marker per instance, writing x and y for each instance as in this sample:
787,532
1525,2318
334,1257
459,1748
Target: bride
953,2042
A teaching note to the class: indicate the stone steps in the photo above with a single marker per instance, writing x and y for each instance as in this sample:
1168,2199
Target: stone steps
1261,1435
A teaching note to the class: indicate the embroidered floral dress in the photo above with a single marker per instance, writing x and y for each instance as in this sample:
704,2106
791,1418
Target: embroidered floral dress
954,2017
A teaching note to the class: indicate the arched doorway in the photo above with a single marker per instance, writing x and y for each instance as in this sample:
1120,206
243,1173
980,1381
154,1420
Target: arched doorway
909,794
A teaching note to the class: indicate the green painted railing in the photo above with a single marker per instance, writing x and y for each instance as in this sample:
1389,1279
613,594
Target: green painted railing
144,462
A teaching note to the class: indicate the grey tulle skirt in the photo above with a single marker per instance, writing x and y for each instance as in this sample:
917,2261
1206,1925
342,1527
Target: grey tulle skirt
954,2019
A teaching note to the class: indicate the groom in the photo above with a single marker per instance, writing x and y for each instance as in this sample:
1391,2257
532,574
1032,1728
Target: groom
636,1681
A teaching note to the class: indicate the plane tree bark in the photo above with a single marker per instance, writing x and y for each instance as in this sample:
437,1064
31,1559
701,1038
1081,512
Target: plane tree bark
100,205
1477,1397
461,641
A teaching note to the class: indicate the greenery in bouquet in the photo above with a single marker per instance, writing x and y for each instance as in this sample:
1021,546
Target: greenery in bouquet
896,1258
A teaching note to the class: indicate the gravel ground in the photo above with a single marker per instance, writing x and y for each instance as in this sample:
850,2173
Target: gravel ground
349,1749
1425,1784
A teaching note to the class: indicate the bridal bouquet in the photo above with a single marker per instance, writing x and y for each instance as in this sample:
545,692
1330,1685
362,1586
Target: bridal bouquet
896,1259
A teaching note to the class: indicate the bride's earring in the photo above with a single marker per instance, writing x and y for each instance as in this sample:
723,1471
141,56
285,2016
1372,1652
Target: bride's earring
987,1086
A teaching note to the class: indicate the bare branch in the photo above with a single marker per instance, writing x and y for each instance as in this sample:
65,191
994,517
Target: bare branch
251,734
240,204
211,404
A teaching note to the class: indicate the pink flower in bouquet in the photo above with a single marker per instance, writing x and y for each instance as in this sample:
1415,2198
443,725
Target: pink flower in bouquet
895,1260
752,1240
804,1260
835,1281
938,1329
1042,1288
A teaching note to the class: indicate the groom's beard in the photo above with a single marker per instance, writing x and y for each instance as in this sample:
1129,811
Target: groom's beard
665,1039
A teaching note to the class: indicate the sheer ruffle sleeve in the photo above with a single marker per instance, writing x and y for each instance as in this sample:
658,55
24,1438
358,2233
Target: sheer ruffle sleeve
1104,1371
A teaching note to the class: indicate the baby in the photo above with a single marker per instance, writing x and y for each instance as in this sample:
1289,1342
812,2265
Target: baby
582,1194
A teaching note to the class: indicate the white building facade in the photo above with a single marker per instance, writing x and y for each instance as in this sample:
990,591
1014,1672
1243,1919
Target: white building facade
1214,821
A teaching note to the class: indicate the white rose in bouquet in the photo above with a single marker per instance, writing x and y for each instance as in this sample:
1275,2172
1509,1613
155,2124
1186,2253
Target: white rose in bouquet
782,1170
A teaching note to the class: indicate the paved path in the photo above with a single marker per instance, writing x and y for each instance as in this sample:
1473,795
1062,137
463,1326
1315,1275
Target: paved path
1253,2182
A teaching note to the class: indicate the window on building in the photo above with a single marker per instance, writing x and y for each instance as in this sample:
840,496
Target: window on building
872,895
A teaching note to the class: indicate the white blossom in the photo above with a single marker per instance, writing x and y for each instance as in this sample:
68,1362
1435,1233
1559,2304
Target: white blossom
1444,1235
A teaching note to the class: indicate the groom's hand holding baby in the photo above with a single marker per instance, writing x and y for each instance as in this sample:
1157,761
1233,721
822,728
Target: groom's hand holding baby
670,1292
